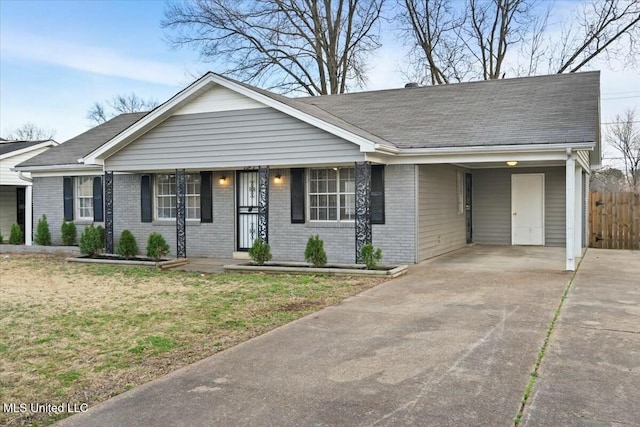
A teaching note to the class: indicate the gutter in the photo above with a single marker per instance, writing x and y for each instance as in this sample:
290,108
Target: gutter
589,146
23,177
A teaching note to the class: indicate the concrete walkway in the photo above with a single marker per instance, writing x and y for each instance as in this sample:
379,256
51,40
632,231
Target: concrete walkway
590,375
451,343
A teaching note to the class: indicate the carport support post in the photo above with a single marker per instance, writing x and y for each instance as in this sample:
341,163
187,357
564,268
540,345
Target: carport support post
570,206
363,207
28,215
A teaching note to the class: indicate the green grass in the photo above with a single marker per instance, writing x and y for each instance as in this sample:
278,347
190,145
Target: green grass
83,333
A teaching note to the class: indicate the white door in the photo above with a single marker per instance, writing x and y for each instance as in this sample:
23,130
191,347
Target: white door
527,209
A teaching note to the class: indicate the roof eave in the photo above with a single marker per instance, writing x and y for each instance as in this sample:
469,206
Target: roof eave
588,146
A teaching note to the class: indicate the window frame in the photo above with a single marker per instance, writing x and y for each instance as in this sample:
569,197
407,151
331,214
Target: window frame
195,180
337,194
77,197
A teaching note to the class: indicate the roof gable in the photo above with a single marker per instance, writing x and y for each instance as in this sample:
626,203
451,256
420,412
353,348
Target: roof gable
180,102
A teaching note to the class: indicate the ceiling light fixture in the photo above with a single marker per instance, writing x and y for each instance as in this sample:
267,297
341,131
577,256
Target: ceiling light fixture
512,163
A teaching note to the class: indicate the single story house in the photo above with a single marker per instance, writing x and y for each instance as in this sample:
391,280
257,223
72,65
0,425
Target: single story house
417,171
15,188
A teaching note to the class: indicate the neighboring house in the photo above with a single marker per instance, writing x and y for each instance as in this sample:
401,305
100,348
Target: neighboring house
15,192
416,171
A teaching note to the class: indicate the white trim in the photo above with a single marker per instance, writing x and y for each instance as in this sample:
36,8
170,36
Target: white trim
77,197
338,193
43,144
69,172
53,168
570,185
28,215
497,148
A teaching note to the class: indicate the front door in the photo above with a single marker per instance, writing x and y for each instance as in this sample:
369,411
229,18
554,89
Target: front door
247,208
527,209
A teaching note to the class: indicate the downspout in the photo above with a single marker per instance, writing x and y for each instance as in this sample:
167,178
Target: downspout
28,211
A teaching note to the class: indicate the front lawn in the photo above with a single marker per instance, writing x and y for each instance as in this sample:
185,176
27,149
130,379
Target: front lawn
76,333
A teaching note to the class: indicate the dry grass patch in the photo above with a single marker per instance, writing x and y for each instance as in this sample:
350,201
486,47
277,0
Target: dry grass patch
82,333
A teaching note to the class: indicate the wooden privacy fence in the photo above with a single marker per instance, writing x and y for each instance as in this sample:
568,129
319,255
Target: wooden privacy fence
614,220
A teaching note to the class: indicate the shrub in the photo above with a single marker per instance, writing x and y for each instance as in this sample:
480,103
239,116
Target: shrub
314,253
43,236
69,233
101,233
127,246
1,239
16,237
260,252
370,256
91,241
157,247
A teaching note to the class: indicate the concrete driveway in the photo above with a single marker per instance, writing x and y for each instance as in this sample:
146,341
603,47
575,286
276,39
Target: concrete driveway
590,375
451,343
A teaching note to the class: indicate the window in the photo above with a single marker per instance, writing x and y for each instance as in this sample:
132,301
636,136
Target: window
166,196
84,197
332,194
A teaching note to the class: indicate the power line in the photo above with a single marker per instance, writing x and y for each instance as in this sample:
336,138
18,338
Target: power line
621,122
620,97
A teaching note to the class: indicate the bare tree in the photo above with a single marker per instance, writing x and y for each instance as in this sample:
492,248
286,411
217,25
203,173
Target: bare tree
433,28
317,47
602,27
120,104
31,132
499,36
608,179
624,137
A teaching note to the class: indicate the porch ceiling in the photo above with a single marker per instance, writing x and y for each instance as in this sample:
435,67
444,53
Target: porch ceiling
520,165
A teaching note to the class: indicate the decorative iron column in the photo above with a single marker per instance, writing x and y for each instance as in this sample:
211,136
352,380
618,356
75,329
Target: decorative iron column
263,203
108,211
181,214
363,207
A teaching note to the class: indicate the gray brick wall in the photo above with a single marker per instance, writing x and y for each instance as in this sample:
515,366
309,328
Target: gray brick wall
396,237
48,200
214,239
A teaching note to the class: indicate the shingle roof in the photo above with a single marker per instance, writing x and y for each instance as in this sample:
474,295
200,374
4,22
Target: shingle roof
70,151
560,108
8,147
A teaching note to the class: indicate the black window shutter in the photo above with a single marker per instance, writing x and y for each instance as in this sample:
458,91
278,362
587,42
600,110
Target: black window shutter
206,199
67,191
146,206
297,196
377,194
98,215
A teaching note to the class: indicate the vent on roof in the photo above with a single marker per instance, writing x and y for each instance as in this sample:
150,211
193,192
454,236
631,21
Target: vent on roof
412,84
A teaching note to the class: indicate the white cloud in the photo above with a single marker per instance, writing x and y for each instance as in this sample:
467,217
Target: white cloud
93,59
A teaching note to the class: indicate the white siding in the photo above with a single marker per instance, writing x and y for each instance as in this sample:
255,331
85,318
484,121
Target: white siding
219,98
232,139
7,177
441,228
491,205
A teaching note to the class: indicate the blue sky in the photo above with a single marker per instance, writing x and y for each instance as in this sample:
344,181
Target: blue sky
59,57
